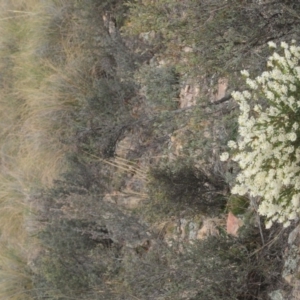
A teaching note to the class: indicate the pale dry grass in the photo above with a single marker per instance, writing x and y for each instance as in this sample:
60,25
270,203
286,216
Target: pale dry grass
12,209
15,277
124,165
39,90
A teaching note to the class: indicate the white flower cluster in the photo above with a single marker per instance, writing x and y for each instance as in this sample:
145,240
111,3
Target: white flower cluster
268,150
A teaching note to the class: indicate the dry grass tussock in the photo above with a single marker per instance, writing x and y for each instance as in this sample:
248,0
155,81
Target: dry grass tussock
15,278
42,82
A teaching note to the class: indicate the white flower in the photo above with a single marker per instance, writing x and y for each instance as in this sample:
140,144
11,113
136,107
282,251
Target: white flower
290,149
286,181
224,156
295,200
292,136
293,215
287,54
270,63
245,73
297,71
252,84
284,45
268,159
270,95
269,224
284,89
232,144
272,44
291,100
239,190
276,56
292,88
295,126
273,111
237,96
247,95
257,108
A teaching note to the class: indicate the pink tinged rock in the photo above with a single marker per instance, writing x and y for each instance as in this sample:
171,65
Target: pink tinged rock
233,224
222,88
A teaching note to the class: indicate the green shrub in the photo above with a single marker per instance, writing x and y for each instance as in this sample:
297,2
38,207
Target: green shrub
82,235
74,263
267,150
180,185
160,85
217,268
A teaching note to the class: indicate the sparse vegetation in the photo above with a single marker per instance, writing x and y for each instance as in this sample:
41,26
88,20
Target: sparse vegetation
98,149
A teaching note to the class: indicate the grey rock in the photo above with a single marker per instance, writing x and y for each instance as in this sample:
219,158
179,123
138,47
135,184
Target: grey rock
276,295
293,235
193,230
291,262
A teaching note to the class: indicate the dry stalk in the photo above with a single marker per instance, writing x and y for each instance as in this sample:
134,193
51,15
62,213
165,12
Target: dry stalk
123,164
